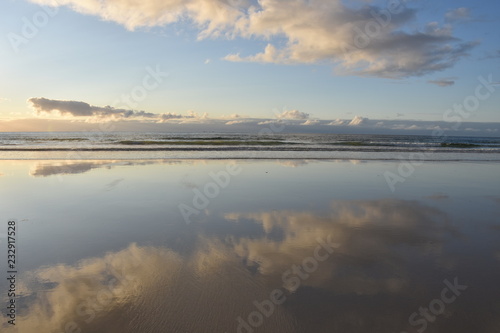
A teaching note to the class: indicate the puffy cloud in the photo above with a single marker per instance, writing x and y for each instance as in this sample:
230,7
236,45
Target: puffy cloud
310,122
293,114
368,40
357,120
211,16
358,39
337,122
445,82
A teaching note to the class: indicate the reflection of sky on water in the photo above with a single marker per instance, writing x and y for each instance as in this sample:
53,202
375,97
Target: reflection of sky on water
105,247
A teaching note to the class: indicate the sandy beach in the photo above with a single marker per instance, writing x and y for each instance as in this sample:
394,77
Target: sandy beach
253,246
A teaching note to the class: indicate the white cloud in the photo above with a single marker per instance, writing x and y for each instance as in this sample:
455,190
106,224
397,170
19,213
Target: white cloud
213,17
310,122
269,55
235,122
268,122
293,114
337,122
365,41
357,120
357,39
196,117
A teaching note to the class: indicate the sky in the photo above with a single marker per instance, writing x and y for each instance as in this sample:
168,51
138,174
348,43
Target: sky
398,65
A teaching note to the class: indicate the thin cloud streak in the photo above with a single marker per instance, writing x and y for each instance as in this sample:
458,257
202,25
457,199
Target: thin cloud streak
445,82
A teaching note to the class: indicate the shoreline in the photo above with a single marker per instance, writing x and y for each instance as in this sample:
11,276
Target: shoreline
247,155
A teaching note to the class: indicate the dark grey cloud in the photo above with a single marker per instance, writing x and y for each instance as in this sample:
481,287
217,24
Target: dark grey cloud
403,55
83,109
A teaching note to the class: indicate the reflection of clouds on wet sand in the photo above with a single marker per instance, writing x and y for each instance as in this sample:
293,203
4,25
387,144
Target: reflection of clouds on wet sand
389,255
372,282
367,231
145,289
301,162
50,168
293,163
47,168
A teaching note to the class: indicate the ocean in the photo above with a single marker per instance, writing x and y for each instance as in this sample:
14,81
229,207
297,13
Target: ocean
133,145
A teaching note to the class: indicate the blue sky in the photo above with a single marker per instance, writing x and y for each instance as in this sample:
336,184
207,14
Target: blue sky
235,60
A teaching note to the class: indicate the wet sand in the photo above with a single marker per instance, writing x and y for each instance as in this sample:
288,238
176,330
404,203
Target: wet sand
252,246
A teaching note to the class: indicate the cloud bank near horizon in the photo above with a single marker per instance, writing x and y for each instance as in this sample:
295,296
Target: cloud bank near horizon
84,110
362,39
80,116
